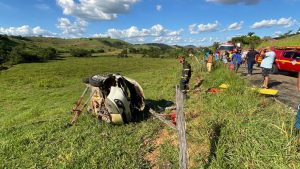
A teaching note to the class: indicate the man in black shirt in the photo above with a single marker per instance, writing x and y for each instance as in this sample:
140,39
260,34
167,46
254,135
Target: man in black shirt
186,75
251,60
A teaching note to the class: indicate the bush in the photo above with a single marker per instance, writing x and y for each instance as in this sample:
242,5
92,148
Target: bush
123,54
101,51
80,53
22,54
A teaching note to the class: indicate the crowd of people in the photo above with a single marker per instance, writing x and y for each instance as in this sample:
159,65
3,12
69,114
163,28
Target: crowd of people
234,59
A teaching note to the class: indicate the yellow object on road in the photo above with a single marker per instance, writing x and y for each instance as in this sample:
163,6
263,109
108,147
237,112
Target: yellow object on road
272,92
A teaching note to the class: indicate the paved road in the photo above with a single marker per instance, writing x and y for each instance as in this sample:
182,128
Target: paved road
284,82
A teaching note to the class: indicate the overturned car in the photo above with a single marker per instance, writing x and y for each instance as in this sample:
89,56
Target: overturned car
113,98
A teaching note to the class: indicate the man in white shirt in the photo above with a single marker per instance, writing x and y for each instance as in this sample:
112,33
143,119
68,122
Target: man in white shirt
266,65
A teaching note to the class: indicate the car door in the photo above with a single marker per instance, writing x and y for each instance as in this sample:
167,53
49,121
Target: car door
296,62
285,61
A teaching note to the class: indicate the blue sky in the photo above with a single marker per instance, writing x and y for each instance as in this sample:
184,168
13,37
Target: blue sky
182,22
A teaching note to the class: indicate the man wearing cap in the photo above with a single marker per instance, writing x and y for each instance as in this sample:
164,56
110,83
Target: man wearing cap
186,75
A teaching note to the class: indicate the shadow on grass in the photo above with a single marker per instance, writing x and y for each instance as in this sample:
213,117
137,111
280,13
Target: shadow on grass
156,105
3,68
214,140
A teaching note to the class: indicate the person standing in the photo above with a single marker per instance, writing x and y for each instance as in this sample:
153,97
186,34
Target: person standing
225,58
244,54
209,61
186,75
297,124
266,65
250,57
217,56
237,60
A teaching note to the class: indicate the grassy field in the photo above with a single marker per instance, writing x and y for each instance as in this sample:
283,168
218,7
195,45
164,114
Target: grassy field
289,41
234,129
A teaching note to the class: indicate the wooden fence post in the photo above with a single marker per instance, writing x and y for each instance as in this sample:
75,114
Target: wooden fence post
180,122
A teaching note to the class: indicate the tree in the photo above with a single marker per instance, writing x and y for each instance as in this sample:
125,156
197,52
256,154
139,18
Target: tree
80,53
216,46
251,34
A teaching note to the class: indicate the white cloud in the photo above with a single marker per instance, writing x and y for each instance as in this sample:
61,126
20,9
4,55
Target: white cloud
277,33
133,32
69,29
210,27
235,26
95,10
26,30
38,30
286,22
158,7
156,33
168,40
193,29
231,2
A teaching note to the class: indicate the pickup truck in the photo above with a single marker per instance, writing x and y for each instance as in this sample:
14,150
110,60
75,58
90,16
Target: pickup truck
287,59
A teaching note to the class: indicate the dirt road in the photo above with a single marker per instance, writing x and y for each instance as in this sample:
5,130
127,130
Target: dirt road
284,82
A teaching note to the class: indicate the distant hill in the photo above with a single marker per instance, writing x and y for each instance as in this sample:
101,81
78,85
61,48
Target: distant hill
159,45
64,45
190,46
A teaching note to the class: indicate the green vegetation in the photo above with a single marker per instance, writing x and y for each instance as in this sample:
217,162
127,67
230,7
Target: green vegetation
233,129
250,40
236,128
18,49
288,41
35,102
80,53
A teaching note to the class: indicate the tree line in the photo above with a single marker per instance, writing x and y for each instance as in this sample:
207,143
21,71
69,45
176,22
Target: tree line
12,52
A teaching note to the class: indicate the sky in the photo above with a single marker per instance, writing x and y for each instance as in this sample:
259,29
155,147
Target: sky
173,22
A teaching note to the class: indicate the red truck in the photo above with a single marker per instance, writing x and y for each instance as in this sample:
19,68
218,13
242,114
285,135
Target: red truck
287,59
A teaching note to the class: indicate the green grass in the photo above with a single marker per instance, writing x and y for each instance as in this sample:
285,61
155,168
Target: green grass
237,128
36,98
289,41
234,129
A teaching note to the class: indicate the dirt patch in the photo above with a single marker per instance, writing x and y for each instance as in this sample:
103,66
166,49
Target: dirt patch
153,155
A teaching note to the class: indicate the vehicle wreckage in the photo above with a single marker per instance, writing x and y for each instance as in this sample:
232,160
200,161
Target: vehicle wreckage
113,98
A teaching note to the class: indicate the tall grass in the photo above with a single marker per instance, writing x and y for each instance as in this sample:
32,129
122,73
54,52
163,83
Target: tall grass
237,128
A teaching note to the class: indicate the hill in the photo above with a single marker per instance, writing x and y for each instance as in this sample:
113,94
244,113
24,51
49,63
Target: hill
64,45
288,41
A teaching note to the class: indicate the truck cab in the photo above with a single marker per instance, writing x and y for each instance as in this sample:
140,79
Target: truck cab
287,59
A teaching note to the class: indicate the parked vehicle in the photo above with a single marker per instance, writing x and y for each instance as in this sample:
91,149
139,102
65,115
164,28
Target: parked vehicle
226,47
287,59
